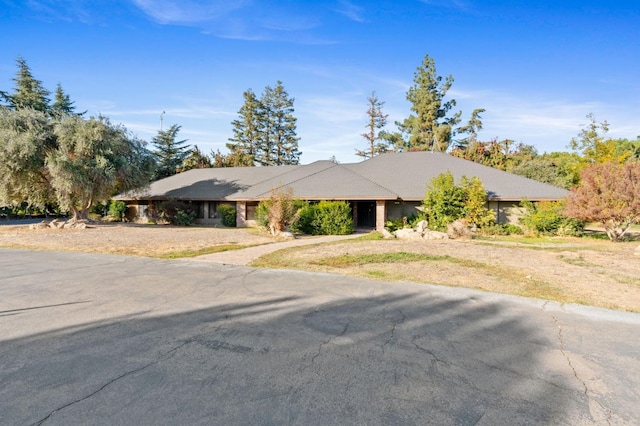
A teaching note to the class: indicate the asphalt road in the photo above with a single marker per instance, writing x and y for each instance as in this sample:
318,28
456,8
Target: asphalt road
98,339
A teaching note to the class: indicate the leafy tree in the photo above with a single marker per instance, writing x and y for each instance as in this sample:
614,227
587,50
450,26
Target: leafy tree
475,211
540,169
592,145
71,161
168,152
247,129
629,149
608,193
471,129
235,158
502,155
29,92
445,202
377,121
195,159
94,159
430,128
26,138
279,143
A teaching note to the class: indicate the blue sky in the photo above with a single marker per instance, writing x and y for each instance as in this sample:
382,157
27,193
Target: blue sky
538,68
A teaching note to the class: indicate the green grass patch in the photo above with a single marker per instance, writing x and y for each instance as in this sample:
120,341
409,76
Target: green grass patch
199,252
348,260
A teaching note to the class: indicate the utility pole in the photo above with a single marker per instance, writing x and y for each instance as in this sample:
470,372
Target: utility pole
161,116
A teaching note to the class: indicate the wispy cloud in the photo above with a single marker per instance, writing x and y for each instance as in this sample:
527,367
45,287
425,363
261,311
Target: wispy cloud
187,11
351,11
240,19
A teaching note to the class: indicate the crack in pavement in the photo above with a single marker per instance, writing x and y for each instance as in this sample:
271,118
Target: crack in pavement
327,342
110,382
587,392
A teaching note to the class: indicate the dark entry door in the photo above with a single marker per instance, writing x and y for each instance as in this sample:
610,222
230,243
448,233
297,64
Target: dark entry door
366,214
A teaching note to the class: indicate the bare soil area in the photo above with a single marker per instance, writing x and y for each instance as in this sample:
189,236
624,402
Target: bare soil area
130,239
586,271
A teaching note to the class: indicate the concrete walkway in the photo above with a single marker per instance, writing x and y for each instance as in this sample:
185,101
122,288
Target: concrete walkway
249,254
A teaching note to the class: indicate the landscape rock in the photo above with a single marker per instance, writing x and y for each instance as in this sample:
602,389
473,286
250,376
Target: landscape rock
435,235
422,227
42,225
286,234
459,229
407,234
56,224
386,234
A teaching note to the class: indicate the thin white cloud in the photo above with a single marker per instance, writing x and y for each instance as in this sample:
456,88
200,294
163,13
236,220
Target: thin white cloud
351,11
187,11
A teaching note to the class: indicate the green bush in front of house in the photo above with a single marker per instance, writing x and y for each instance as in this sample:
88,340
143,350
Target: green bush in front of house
228,214
547,218
328,218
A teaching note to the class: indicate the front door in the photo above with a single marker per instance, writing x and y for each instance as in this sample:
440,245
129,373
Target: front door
366,214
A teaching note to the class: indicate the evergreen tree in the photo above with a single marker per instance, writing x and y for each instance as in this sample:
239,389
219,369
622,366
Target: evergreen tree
169,153
29,92
62,104
247,130
430,128
279,143
265,131
377,121
195,159
471,129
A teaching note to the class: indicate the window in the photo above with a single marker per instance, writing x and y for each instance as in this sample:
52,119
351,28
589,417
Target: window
213,209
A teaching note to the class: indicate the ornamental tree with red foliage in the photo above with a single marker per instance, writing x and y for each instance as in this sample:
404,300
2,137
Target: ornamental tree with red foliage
608,193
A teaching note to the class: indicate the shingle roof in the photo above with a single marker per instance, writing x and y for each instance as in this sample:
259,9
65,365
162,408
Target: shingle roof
385,177
408,173
206,184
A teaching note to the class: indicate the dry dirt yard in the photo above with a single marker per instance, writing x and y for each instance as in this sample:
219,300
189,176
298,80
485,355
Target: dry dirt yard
580,270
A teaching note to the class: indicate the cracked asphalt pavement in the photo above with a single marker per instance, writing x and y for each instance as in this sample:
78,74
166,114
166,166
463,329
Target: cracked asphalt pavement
99,339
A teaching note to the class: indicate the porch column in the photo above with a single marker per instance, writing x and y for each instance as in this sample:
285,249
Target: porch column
381,214
241,214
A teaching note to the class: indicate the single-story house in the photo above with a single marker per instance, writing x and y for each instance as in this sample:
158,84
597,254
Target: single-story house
387,186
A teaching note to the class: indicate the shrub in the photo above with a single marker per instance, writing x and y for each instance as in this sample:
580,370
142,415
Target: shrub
228,214
445,202
505,229
184,217
547,218
117,209
306,214
169,211
325,218
332,218
279,211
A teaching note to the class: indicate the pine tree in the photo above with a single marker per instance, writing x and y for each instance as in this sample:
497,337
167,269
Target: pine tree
471,130
377,120
247,130
430,128
265,131
169,153
279,144
62,104
29,92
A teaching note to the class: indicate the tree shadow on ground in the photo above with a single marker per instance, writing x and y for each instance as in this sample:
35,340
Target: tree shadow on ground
404,359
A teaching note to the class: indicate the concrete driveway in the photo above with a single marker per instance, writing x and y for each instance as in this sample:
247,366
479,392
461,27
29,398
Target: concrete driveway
98,339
